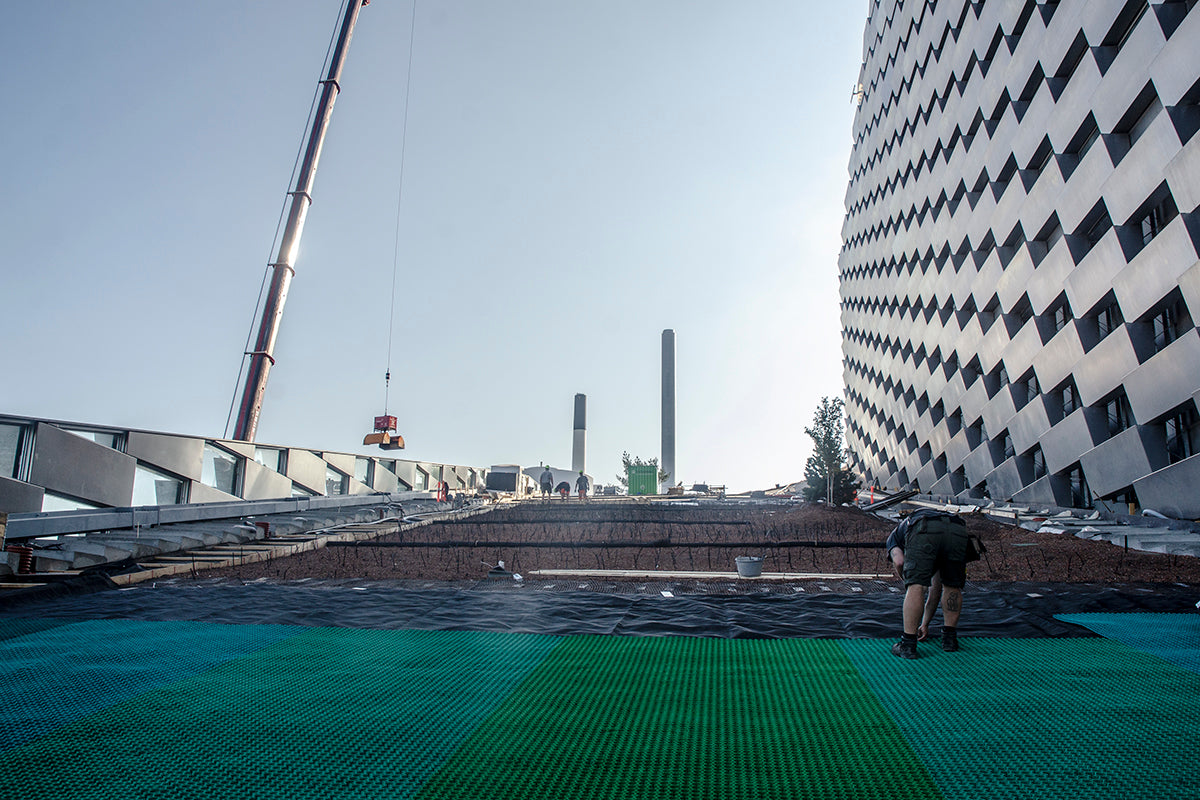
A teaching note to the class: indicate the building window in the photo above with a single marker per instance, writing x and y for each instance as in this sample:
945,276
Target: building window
300,491
154,488
105,438
1032,390
1098,226
1009,450
1167,324
1081,495
1084,138
10,450
1039,463
1183,434
422,480
1125,24
271,458
1108,319
221,469
1120,416
1069,398
364,471
1152,223
60,502
335,482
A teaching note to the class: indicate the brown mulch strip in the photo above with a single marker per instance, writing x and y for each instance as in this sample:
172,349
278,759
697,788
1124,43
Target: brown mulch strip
816,539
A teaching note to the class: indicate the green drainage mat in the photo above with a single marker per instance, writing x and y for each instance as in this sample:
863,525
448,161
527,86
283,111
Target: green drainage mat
1175,637
194,710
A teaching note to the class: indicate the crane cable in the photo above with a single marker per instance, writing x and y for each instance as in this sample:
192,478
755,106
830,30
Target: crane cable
387,377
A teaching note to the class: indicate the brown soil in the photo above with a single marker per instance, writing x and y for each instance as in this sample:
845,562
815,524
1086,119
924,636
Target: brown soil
797,539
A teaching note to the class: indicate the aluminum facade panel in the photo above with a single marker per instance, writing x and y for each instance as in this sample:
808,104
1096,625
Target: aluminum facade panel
307,469
17,496
70,465
261,483
1172,490
1127,457
913,245
178,455
1157,386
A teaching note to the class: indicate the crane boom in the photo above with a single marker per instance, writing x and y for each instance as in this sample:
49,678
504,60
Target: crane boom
300,198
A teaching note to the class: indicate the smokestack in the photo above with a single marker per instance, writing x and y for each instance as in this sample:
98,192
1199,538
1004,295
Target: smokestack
668,408
579,445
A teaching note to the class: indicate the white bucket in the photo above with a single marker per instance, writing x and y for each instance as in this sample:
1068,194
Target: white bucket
749,566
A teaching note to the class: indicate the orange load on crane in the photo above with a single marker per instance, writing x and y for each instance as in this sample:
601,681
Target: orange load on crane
384,435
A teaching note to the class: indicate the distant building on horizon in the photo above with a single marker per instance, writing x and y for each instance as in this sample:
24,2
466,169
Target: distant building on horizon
1019,272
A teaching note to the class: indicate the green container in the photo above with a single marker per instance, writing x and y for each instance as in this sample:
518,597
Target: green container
643,479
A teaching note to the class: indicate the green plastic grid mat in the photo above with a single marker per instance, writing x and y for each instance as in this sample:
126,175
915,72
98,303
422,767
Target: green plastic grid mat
330,713
1043,718
56,673
1175,637
672,717
322,713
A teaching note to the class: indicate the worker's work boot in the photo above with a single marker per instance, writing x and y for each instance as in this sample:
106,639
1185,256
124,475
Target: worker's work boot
950,641
905,648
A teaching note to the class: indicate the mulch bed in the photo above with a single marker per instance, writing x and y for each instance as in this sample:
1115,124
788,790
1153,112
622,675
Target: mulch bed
800,538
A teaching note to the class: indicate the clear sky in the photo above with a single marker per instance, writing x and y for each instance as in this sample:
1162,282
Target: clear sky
578,176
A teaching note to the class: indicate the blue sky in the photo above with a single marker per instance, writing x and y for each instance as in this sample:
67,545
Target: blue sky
577,177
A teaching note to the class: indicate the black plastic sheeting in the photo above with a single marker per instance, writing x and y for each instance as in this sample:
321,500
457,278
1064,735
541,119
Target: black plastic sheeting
1021,610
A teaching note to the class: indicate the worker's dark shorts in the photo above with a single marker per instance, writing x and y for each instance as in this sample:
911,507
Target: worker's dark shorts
927,552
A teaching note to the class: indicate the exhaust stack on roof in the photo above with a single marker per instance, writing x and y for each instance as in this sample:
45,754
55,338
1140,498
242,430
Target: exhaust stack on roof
579,444
668,408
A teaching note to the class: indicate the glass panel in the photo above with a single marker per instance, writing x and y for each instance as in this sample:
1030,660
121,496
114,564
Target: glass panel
269,457
99,437
335,482
220,469
422,480
300,491
58,502
10,450
154,488
362,470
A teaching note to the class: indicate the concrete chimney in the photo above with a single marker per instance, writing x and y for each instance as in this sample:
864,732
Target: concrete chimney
667,462
579,444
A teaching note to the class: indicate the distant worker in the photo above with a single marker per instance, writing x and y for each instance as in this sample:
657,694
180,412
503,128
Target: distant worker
547,482
581,486
563,489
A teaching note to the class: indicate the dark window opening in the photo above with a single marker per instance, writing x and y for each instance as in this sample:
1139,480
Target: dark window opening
1084,138
1156,218
1039,463
1120,416
1183,434
1109,319
1125,24
1068,397
1168,323
1061,315
1081,495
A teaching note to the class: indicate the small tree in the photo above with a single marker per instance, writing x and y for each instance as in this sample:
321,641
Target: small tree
824,472
628,461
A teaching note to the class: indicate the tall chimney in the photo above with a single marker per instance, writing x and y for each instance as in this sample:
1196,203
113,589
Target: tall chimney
579,445
667,463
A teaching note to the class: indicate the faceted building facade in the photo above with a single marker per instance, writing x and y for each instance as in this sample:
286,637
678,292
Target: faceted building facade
1019,274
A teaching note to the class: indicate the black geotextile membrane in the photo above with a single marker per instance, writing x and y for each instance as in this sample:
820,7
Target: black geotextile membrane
1011,609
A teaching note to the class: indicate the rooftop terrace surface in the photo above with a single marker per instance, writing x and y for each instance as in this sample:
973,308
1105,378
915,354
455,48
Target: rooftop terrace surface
330,689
